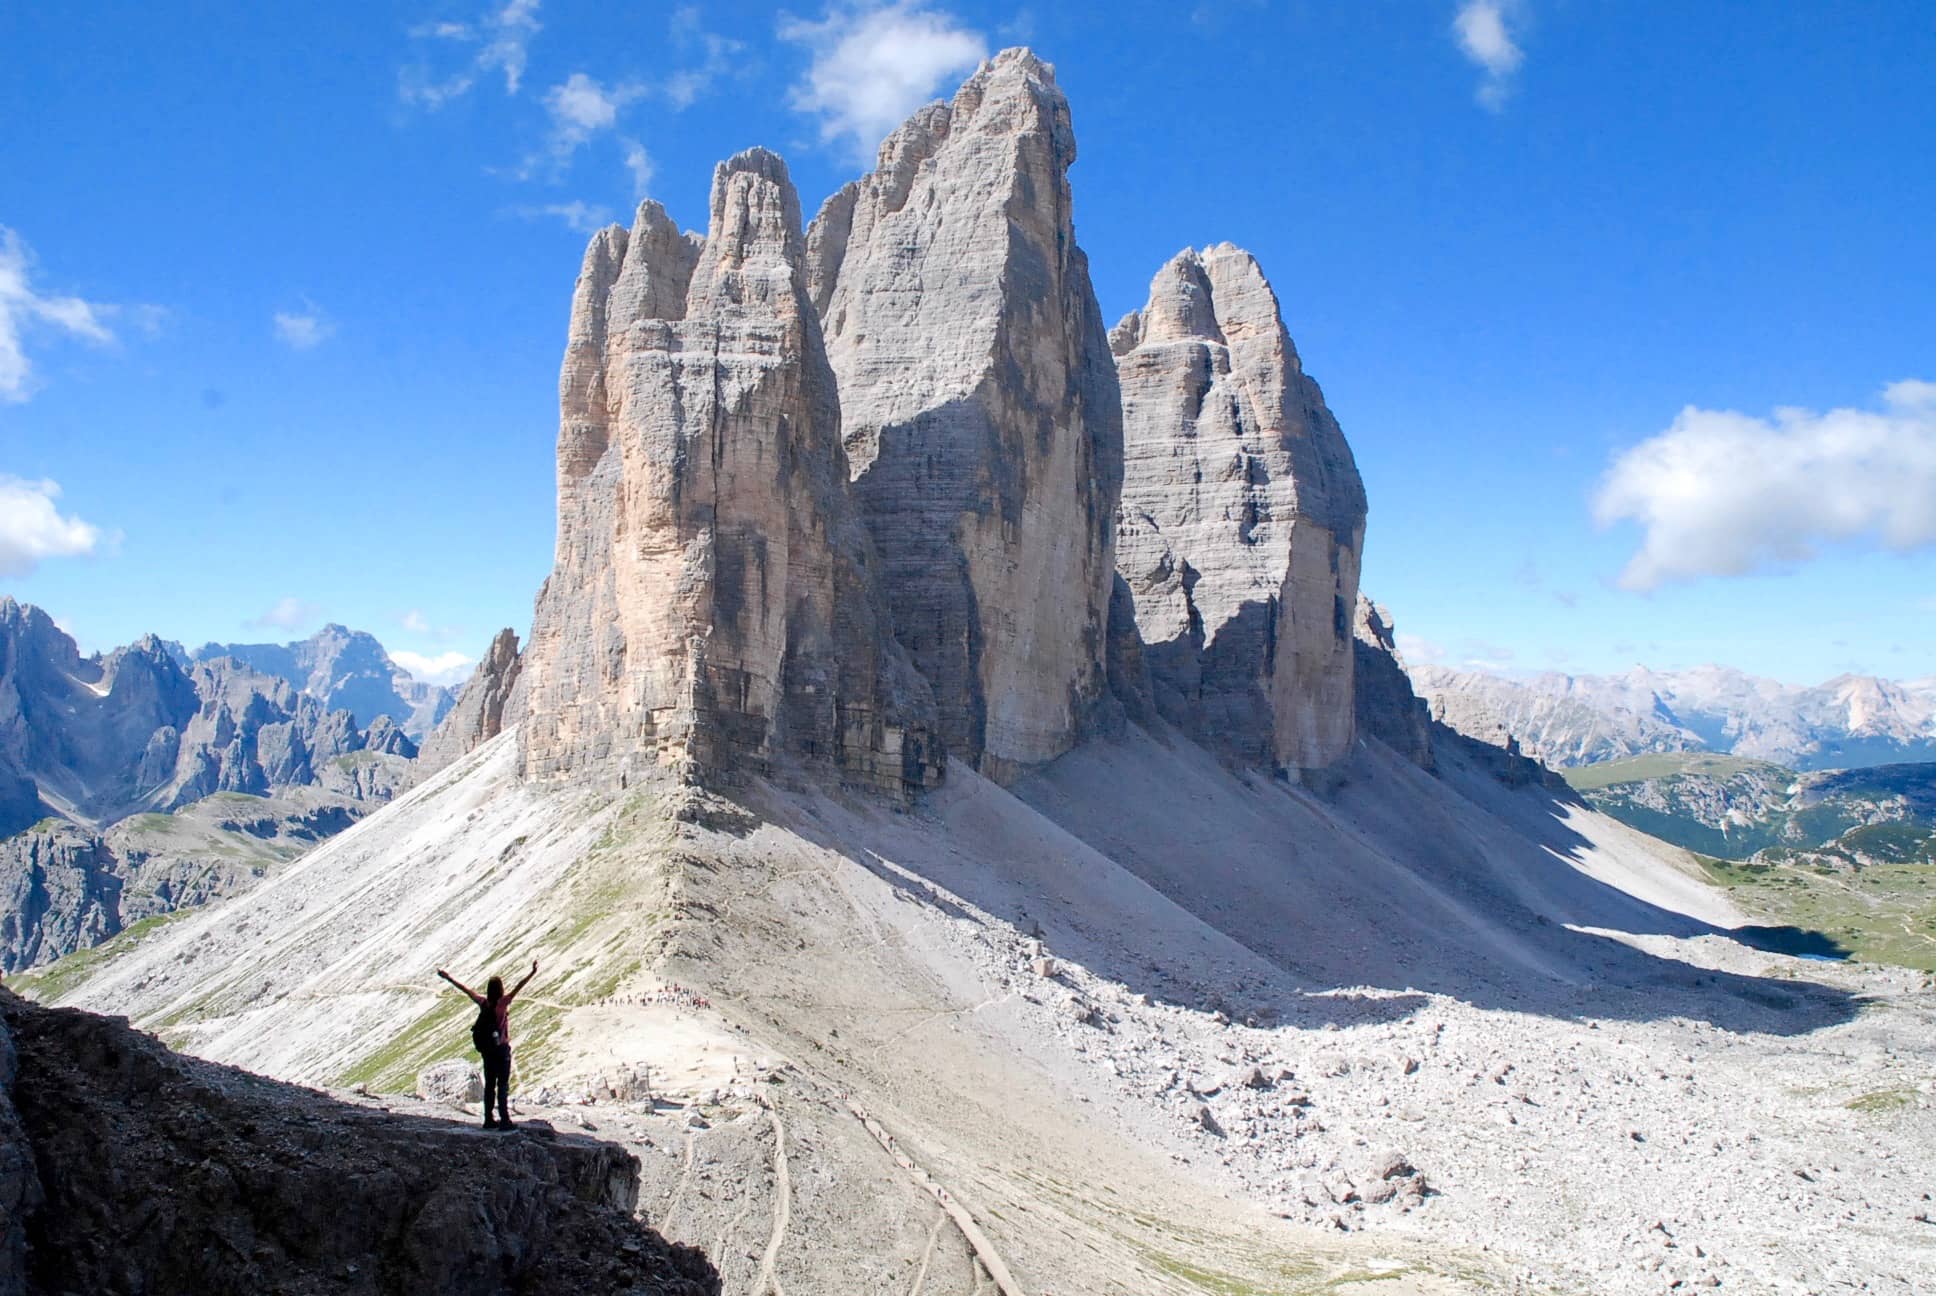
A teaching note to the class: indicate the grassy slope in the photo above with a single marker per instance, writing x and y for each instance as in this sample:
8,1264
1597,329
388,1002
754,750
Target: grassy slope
1638,769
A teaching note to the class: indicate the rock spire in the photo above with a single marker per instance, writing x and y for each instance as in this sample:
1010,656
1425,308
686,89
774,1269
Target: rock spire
713,603
1241,521
983,426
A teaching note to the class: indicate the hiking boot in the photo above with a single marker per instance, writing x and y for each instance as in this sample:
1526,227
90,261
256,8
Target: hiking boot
489,1123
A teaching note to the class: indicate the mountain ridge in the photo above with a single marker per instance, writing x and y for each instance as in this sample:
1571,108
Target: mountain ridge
1848,721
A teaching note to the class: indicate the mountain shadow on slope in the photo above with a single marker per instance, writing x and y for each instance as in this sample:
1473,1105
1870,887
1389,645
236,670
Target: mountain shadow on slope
1465,884
126,1168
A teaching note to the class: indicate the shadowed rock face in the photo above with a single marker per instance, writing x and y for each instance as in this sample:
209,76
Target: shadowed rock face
1242,518
982,420
1387,709
125,1167
478,715
714,603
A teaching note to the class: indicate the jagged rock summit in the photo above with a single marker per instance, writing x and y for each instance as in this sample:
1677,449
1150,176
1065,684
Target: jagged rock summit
982,421
854,493
714,604
1242,518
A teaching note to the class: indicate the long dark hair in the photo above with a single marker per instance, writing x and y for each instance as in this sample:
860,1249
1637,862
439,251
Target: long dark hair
494,989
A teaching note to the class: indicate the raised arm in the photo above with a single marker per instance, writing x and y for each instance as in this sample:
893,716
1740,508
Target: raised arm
474,996
521,984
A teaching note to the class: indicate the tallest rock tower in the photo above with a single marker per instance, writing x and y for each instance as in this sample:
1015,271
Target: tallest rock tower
981,415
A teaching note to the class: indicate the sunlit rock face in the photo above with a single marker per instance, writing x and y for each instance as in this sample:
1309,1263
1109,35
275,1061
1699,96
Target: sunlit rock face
714,603
1242,518
983,425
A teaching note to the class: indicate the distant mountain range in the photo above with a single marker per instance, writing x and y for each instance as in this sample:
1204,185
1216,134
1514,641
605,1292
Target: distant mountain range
343,669
102,756
1850,722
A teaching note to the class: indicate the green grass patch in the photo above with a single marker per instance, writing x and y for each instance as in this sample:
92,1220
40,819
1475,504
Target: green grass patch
438,1035
1638,769
1882,1101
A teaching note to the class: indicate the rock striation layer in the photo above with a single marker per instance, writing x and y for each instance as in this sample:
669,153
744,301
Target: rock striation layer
714,603
1242,518
982,420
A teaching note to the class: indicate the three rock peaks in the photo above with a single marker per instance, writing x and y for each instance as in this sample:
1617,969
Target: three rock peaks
860,492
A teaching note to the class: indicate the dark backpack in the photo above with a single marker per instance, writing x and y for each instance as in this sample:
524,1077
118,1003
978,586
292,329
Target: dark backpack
484,1031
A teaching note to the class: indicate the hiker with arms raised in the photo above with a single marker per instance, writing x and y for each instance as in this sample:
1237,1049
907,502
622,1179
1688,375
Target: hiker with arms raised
491,1034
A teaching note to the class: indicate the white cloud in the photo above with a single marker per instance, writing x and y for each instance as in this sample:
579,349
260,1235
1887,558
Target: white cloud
444,668
415,621
639,163
503,39
32,528
1481,26
22,306
289,613
1723,494
580,108
303,329
873,66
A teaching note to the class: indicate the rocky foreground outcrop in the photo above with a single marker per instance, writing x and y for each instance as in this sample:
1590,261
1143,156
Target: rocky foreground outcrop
1242,518
715,603
981,415
127,1168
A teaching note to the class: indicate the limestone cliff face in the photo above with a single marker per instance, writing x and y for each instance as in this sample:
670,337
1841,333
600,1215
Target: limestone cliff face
714,602
982,419
1242,518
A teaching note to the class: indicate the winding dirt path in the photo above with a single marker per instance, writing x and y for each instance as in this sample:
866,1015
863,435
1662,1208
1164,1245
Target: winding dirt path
782,1210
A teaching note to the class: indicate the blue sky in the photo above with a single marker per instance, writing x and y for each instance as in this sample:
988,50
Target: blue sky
283,290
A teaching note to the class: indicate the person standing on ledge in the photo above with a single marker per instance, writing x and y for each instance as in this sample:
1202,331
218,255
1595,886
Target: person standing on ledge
491,1034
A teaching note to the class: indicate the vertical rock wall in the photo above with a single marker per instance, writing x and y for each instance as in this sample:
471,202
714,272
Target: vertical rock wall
982,418
1242,518
713,602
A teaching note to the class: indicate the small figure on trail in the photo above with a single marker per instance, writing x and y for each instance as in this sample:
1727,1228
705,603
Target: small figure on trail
491,1035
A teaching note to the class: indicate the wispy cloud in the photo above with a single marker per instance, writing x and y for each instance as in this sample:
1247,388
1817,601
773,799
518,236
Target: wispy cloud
23,307
305,329
1484,35
289,613
874,65
639,164
581,107
715,53
32,527
1418,650
579,215
498,42
1724,494
443,668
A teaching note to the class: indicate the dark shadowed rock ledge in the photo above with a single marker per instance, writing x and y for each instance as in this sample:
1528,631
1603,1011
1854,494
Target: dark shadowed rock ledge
125,1167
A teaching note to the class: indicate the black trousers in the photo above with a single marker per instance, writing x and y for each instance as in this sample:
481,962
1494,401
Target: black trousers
497,1081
